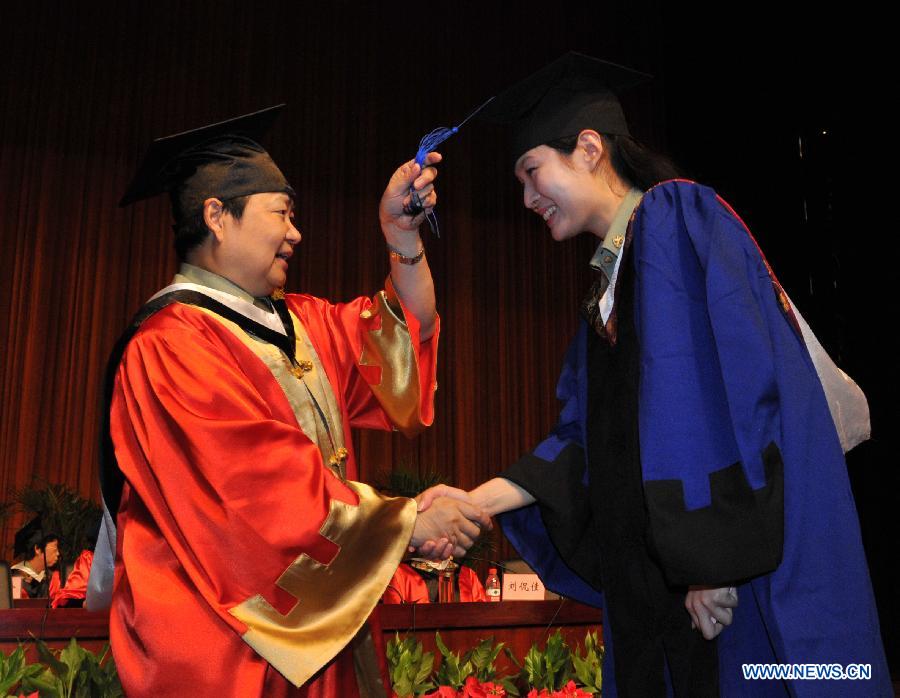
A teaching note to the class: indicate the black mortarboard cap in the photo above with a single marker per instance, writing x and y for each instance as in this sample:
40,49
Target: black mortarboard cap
27,537
563,98
222,160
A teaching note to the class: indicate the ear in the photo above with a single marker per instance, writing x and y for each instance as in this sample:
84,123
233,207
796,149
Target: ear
589,148
214,217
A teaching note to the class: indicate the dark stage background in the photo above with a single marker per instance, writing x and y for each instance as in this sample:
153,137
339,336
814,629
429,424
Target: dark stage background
84,87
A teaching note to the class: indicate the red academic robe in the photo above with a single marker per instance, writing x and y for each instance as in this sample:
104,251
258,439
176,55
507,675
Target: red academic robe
76,582
407,586
238,551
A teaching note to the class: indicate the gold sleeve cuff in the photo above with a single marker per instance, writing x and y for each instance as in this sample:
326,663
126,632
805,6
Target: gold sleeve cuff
333,599
390,347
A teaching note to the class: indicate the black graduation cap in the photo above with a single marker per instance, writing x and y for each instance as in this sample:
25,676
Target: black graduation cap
222,160
572,93
27,537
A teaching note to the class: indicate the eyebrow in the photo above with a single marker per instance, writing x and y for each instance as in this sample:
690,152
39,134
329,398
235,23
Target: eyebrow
519,168
285,200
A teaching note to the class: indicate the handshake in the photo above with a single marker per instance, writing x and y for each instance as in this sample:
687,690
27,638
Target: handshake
448,523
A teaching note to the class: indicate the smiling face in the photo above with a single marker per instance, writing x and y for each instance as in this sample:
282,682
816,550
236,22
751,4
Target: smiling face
561,188
253,251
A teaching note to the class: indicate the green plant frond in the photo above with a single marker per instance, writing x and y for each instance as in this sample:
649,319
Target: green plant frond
73,672
63,512
15,669
404,480
512,658
588,663
442,648
483,656
57,667
509,685
550,668
46,683
410,667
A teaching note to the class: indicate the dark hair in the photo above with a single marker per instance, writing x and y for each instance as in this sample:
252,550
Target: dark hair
191,231
638,165
40,542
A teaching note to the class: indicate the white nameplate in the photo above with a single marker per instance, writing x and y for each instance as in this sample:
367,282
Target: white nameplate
522,587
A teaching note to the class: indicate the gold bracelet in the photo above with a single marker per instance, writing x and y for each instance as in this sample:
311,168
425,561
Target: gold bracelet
403,259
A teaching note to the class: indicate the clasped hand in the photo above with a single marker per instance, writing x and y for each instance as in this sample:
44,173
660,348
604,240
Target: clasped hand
711,609
447,523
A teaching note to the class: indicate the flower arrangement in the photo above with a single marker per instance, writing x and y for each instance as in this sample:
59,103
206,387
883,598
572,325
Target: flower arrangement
554,672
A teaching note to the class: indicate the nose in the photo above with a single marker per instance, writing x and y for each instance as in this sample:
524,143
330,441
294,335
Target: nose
529,195
293,235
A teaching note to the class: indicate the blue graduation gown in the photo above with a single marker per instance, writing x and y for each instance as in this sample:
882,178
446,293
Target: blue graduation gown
743,473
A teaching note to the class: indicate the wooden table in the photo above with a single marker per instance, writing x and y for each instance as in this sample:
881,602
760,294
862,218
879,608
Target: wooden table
462,625
54,626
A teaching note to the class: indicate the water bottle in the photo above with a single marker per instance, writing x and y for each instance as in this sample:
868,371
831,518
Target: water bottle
492,585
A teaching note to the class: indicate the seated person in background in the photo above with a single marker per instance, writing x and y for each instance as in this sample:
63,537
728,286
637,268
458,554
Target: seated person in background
416,581
72,594
42,551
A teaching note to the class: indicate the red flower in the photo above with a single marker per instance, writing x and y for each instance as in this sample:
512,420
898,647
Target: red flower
473,689
443,692
570,690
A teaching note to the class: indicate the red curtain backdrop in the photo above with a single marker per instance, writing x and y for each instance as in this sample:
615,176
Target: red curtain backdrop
85,86
84,89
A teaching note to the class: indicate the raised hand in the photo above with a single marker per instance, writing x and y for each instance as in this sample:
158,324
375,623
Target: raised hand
400,218
711,609
397,212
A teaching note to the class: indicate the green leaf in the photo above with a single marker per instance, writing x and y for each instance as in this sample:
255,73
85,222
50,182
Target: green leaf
481,654
509,685
46,683
11,669
403,687
46,656
512,658
440,645
589,665
424,671
410,667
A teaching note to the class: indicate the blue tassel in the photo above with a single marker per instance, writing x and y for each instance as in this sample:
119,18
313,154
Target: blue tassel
432,141
428,143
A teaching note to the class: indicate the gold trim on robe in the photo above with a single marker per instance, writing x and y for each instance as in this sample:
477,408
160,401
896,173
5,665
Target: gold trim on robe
295,389
334,599
390,348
